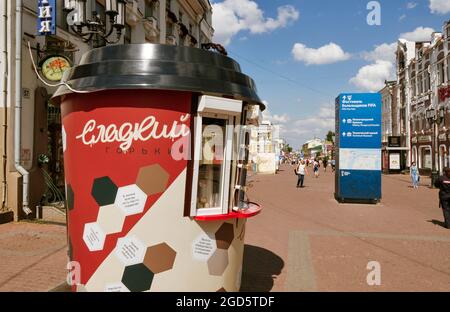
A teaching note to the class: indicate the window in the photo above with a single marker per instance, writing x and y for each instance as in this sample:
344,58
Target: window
427,81
149,8
419,80
448,68
213,167
169,29
212,163
100,9
61,16
426,158
440,68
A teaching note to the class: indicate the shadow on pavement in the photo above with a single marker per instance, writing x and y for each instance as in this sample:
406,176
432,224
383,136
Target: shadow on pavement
260,268
436,222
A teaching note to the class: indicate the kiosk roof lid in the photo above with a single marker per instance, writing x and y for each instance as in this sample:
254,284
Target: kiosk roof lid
162,67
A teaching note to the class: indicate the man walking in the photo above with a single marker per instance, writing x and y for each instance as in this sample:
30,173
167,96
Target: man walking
301,171
443,183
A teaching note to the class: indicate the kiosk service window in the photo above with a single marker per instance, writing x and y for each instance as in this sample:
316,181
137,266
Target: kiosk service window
218,136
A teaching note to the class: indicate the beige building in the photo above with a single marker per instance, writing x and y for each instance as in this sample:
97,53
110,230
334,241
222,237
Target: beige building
428,86
176,22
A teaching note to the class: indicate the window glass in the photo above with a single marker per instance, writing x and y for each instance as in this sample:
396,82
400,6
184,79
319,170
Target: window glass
426,158
211,164
149,6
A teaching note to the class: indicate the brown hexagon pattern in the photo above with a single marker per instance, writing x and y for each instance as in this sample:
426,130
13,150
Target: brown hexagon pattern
152,179
225,236
159,258
218,262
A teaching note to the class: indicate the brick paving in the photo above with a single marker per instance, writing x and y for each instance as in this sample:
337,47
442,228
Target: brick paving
33,256
302,241
305,241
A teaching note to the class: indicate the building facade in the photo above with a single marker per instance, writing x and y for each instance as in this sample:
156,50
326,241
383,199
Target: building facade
394,149
430,115
176,22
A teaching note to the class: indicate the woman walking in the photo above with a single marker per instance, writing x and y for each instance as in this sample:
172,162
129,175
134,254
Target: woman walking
316,166
414,172
301,172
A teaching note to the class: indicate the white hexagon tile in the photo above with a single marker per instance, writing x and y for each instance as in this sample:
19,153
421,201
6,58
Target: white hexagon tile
93,236
131,199
130,250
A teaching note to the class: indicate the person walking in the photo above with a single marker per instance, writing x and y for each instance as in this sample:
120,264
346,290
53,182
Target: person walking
316,166
414,172
325,164
443,183
301,171
333,165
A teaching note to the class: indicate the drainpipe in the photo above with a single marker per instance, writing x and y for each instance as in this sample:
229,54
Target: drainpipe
4,13
18,110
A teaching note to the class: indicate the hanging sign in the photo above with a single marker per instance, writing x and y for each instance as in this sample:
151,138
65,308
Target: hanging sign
46,24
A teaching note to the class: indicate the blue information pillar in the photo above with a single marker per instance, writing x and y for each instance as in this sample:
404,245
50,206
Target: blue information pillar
358,147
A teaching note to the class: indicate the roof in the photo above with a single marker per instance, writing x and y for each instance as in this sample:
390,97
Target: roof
159,67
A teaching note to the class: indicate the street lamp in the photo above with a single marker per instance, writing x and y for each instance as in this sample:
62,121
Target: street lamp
434,120
86,22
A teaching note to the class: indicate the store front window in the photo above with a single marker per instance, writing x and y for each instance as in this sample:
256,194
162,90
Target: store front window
214,171
211,166
426,158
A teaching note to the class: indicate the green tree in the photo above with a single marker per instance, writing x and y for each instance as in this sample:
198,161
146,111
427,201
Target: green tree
329,136
288,148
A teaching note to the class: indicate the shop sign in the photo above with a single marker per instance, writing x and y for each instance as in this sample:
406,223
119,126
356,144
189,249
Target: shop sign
46,21
394,141
424,139
444,93
442,137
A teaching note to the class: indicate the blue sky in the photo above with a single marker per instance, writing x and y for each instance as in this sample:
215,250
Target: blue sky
335,52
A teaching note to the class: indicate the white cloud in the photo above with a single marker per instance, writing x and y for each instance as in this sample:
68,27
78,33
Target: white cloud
232,16
275,119
440,6
316,125
384,52
411,5
419,34
371,77
298,130
402,17
327,54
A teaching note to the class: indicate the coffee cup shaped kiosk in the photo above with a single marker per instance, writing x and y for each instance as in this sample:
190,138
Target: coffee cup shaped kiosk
155,158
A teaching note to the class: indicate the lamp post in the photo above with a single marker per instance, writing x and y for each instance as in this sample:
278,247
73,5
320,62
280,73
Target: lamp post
87,24
434,120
